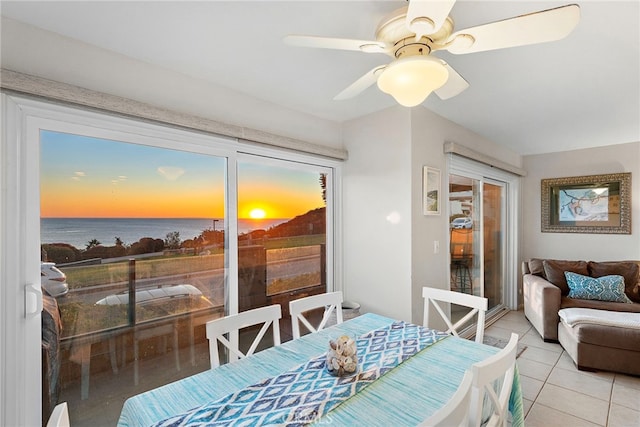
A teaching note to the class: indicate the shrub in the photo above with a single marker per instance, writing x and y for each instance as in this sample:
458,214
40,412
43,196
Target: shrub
146,245
60,253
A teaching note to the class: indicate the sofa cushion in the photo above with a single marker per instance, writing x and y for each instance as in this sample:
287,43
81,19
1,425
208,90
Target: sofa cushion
605,288
607,336
536,268
627,269
554,272
567,302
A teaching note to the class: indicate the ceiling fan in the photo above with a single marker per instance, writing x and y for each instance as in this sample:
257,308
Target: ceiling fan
411,34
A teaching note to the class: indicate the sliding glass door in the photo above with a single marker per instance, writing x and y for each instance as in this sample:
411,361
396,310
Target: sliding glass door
139,234
480,233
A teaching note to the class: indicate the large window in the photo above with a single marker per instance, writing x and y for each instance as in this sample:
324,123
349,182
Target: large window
144,233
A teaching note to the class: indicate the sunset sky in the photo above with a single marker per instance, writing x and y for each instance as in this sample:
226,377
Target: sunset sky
84,177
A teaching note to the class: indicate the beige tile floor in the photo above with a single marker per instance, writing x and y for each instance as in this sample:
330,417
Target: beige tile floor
557,394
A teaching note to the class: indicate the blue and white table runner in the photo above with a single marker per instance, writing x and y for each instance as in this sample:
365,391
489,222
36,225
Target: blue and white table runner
307,392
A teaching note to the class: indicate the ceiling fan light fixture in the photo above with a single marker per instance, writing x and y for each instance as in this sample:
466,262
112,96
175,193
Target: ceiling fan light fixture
410,80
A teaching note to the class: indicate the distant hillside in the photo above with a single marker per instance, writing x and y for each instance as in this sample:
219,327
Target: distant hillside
312,222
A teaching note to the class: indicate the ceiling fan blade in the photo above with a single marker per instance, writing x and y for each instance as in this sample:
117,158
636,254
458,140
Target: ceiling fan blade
454,85
361,84
538,27
425,17
368,46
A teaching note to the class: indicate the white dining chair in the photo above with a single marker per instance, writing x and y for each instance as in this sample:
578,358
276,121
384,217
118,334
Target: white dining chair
217,328
455,413
493,378
478,305
331,301
60,416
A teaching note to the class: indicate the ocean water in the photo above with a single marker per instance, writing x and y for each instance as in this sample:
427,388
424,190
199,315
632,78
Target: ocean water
79,231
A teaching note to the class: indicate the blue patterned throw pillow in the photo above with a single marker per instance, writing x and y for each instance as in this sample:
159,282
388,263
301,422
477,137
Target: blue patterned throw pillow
605,288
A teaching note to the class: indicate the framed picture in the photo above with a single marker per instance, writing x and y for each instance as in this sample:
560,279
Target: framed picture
587,204
430,191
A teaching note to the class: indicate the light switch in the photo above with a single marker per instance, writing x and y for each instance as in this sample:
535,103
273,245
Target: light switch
436,246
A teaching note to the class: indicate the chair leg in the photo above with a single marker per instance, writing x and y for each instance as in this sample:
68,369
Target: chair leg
468,277
112,355
454,279
85,369
176,349
192,350
135,360
124,352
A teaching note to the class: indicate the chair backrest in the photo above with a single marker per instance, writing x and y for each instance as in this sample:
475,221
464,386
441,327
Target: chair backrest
493,377
455,413
461,251
478,305
331,301
216,329
59,416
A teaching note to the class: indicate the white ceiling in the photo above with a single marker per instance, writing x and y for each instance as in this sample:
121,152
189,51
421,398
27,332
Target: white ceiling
582,91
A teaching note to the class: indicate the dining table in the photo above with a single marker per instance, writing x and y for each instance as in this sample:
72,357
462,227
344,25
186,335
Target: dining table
404,395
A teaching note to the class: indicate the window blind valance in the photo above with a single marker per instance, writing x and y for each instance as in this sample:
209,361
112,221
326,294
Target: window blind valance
21,83
461,150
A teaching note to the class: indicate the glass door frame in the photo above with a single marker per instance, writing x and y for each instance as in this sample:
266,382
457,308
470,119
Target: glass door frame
458,165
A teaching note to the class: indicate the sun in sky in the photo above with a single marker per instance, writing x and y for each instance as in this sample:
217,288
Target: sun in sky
257,213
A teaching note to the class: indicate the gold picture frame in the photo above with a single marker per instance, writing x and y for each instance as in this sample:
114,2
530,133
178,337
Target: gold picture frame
587,204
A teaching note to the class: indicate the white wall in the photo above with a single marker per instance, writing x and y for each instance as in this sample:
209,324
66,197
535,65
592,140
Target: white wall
41,53
386,264
573,246
377,213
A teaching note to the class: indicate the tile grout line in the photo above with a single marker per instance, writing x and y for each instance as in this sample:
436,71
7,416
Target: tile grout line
544,383
611,399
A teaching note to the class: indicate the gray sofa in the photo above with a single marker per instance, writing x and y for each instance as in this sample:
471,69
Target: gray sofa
591,346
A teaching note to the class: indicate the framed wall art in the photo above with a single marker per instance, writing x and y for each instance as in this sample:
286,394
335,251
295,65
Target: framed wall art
430,191
587,204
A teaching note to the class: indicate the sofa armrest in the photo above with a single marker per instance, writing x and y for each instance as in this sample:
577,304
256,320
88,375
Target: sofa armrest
541,305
